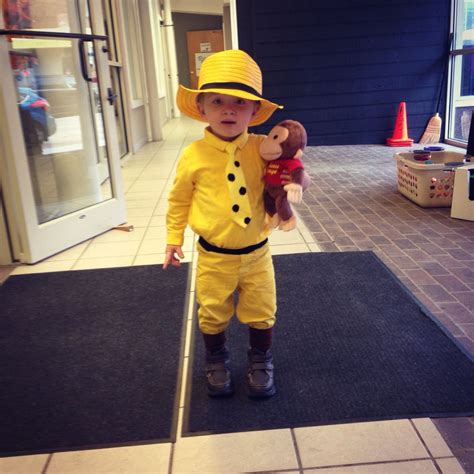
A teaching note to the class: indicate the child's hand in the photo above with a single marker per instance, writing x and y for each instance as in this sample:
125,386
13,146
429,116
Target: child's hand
170,258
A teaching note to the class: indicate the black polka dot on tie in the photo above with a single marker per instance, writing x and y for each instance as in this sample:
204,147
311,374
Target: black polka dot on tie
247,220
242,190
235,208
237,164
231,177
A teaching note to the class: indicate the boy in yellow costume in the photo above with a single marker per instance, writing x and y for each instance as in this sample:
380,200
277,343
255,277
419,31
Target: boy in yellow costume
218,191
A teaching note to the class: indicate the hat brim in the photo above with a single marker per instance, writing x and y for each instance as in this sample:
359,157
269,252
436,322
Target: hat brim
186,101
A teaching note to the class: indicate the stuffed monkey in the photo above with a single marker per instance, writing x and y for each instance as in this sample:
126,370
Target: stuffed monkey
282,149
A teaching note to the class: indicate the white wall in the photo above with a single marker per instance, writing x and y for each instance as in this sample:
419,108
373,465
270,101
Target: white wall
208,7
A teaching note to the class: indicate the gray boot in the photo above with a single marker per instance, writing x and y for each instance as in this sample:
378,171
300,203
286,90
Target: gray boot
219,378
260,374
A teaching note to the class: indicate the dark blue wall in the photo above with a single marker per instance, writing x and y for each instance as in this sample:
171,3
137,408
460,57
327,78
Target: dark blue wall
342,68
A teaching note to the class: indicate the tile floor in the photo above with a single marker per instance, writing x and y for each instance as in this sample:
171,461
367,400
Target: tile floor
352,204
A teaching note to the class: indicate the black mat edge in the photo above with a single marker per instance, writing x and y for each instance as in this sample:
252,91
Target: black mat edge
175,417
187,402
424,309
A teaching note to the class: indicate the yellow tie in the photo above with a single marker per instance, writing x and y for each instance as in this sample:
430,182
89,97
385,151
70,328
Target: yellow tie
240,205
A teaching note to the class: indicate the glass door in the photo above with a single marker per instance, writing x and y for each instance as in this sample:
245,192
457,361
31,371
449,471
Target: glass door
62,165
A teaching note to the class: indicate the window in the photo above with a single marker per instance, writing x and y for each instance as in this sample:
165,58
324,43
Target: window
133,45
461,97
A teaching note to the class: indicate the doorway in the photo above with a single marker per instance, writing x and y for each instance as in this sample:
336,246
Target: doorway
60,164
201,44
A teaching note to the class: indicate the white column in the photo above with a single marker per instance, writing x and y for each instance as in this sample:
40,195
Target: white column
171,50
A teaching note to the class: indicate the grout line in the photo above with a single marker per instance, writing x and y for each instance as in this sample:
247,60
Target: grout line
375,463
46,465
425,445
170,465
297,451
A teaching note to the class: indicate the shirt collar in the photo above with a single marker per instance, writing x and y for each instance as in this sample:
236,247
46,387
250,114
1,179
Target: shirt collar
220,144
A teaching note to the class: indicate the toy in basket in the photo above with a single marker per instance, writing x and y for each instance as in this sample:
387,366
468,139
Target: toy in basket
427,177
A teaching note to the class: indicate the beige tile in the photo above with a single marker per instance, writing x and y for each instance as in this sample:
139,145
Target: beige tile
358,443
236,452
431,436
141,221
405,467
450,466
115,235
158,220
152,458
151,197
44,267
152,246
155,232
314,247
70,254
161,209
140,203
292,237
288,249
139,212
149,259
141,186
158,259
23,464
157,171
111,249
106,262
131,173
159,245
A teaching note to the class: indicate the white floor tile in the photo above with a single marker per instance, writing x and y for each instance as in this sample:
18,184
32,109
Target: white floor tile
44,267
232,453
291,237
116,235
357,443
24,464
111,249
404,467
450,466
70,254
432,437
146,459
104,262
150,259
289,249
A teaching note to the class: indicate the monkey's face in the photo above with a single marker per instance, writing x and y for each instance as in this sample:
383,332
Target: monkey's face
271,148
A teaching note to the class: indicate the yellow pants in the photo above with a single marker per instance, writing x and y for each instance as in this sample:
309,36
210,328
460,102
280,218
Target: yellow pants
219,275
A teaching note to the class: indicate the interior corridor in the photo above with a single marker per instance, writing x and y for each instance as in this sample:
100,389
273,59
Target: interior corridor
399,446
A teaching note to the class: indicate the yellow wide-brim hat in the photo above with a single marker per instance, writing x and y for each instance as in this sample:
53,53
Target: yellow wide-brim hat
232,72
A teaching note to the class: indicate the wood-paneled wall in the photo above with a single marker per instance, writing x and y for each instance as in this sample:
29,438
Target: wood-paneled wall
342,68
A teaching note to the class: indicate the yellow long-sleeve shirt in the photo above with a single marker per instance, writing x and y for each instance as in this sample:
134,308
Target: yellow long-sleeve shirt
200,194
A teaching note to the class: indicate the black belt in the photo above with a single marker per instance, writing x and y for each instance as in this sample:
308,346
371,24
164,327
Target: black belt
212,248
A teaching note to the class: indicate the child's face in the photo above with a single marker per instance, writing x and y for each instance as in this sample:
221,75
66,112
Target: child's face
228,116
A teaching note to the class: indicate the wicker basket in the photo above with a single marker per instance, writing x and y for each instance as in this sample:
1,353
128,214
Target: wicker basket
428,184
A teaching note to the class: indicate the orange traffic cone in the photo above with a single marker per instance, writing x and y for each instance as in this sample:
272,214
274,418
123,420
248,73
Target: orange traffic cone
400,133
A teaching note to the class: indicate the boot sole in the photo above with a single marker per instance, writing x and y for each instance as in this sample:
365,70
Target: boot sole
228,392
259,395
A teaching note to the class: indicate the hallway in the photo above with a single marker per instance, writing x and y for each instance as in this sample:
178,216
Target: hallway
399,446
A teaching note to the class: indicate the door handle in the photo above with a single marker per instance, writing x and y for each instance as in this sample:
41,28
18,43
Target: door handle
111,97
82,58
